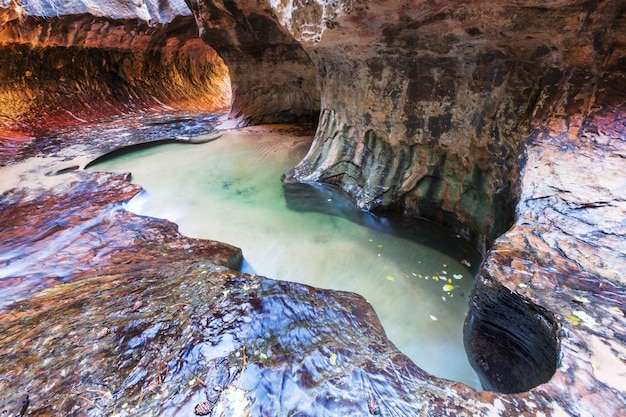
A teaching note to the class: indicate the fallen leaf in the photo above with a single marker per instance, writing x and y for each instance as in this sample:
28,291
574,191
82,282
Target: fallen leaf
333,359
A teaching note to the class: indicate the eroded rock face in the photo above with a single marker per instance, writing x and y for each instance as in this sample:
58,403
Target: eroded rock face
426,106
273,78
566,250
68,63
432,108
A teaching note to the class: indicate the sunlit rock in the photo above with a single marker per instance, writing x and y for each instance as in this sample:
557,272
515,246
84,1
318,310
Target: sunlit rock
76,61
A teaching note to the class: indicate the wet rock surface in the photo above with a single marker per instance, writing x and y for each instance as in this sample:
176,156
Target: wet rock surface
130,318
480,116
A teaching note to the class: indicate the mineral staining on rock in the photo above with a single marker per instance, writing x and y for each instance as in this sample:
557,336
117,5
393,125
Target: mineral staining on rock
488,117
73,62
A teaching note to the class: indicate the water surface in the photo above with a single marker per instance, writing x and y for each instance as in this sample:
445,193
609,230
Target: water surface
416,276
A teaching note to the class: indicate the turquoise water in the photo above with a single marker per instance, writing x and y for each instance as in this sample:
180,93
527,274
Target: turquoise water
416,276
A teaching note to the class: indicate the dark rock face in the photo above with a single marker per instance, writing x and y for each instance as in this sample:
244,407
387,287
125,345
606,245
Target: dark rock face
512,343
503,121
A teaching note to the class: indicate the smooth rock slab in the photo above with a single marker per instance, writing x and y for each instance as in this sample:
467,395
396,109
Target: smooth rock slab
164,340
79,227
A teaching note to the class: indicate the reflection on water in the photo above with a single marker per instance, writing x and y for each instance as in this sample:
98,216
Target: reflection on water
230,190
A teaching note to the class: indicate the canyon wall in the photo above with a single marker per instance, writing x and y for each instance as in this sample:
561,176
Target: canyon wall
423,108
67,62
273,79
503,120
427,105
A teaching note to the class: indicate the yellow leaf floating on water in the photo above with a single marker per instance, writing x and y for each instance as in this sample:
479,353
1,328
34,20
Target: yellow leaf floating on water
580,299
390,277
574,320
448,287
333,359
435,278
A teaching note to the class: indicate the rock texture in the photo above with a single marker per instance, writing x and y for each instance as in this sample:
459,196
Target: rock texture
273,78
72,62
426,106
504,121
566,250
119,315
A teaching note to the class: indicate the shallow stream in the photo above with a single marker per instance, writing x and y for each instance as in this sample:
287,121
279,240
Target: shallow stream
416,275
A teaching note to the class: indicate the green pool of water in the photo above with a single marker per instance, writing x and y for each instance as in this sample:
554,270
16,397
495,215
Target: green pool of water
230,190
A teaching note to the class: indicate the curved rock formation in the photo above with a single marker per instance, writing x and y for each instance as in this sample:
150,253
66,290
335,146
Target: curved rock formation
504,121
427,106
78,61
273,78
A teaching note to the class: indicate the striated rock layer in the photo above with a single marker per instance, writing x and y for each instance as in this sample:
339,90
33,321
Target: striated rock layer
73,62
504,121
426,106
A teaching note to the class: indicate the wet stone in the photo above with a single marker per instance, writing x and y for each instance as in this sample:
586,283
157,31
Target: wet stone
540,135
128,317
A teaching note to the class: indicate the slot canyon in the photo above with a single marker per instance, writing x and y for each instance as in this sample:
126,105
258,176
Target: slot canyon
503,121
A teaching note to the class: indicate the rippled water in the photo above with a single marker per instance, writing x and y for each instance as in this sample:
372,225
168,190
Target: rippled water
416,276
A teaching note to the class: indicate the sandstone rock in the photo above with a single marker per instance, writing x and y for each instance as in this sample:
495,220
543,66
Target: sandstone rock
77,61
273,79
502,120
426,107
